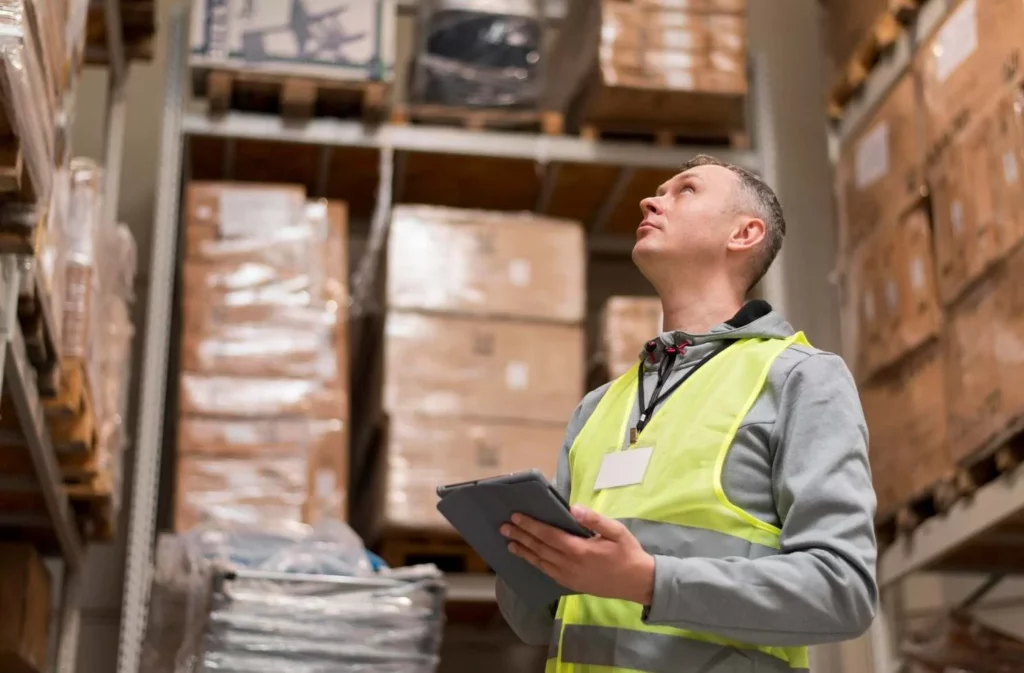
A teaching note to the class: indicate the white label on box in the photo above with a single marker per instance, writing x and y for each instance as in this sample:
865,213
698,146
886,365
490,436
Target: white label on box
670,59
956,217
872,160
519,272
957,40
679,79
326,486
252,212
891,295
869,306
917,274
677,39
1010,167
240,433
517,375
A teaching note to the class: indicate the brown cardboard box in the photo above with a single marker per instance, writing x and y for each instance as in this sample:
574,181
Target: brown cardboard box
906,414
971,60
294,470
953,216
865,303
627,323
486,263
423,452
1007,148
1008,339
485,369
918,307
252,397
973,370
25,609
228,210
881,173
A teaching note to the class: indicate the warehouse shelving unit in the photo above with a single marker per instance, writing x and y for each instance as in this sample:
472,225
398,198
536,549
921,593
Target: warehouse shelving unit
184,119
18,377
982,534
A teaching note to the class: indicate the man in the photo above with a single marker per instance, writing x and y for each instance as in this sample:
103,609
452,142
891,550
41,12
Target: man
730,492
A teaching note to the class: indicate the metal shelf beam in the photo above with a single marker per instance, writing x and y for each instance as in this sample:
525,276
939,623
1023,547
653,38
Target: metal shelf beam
444,140
936,537
19,383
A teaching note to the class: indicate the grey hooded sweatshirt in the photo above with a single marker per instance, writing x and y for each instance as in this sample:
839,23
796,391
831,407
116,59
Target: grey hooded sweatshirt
799,461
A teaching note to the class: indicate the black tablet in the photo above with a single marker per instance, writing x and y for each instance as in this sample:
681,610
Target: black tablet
477,509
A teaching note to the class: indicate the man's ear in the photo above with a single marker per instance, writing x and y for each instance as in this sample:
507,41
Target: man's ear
748,235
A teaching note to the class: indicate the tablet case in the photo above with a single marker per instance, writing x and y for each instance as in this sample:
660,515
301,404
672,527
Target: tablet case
477,513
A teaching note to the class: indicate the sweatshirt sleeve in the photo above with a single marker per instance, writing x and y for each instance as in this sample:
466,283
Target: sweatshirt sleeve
821,587
534,626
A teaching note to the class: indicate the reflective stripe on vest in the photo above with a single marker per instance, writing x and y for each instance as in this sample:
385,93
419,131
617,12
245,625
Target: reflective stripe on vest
681,493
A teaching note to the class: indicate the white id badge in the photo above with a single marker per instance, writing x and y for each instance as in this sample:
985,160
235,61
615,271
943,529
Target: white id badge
623,468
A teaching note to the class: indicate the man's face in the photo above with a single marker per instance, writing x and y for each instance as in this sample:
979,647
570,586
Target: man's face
690,219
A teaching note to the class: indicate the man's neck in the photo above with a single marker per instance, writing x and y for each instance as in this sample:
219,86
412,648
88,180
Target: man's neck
697,314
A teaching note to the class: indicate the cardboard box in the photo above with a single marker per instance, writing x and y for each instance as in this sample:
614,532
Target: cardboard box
25,598
423,452
868,296
1008,337
906,413
329,39
881,172
231,210
482,369
918,309
972,59
973,369
627,323
258,397
486,264
291,470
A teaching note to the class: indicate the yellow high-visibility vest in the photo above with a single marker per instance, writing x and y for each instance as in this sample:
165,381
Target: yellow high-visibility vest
682,493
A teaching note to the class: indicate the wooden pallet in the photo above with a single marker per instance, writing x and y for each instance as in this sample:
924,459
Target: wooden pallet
71,415
294,98
884,32
1001,456
478,119
401,548
666,137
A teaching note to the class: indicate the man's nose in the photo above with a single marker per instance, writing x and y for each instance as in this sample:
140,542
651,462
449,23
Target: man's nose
650,206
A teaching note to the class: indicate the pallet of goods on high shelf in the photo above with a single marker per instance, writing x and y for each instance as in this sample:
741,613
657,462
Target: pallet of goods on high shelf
262,429
25,599
653,69
295,58
930,289
856,34
288,597
480,64
88,276
482,309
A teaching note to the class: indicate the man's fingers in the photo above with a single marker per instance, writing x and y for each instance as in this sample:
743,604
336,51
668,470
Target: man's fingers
530,542
548,535
602,525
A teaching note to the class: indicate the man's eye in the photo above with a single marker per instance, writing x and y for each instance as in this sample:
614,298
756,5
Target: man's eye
685,189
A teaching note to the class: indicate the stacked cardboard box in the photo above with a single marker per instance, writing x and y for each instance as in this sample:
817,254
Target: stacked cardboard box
483,350
25,605
932,295
262,433
687,46
626,324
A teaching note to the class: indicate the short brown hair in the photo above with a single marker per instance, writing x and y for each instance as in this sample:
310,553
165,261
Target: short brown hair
762,202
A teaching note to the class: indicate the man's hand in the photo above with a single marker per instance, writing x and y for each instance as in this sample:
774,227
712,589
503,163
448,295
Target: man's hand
609,565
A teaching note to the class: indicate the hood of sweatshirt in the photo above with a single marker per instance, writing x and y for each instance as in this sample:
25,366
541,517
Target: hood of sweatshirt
757,319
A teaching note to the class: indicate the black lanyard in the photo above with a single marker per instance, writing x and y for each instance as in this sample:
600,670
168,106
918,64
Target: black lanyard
666,366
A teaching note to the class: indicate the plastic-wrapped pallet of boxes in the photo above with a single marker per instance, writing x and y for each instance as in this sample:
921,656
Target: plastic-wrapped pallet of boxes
262,431
486,53
627,323
329,39
483,353
666,44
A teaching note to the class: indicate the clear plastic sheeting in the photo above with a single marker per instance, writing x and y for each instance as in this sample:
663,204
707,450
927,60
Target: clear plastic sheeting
288,597
27,100
481,54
